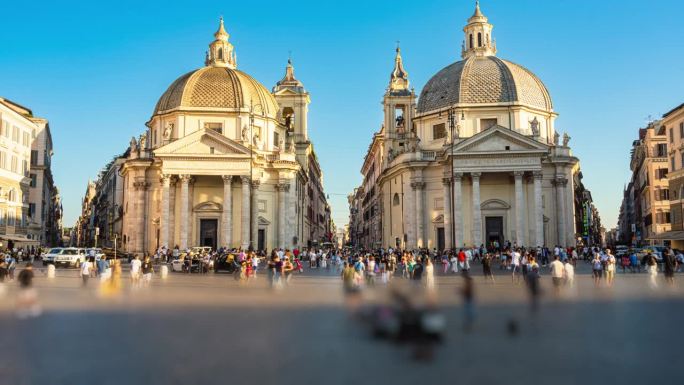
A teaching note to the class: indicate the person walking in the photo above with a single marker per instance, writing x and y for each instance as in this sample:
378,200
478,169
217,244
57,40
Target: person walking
652,269
27,299
487,267
147,270
429,272
557,273
610,263
596,269
86,268
569,275
670,265
135,271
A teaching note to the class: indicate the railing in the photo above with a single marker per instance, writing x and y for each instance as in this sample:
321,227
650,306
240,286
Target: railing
428,155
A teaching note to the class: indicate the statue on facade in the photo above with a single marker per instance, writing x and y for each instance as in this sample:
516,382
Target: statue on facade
143,141
167,131
457,131
390,155
292,145
566,139
449,138
134,145
534,126
555,138
245,134
281,145
256,138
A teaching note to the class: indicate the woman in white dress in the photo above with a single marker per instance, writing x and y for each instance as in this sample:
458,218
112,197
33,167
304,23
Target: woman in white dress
429,275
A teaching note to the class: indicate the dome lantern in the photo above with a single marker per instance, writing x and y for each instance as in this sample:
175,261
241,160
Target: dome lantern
221,53
478,39
399,78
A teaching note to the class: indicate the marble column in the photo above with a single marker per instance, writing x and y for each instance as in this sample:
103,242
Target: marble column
227,214
164,221
420,220
477,213
458,211
560,183
184,211
139,232
244,219
172,213
290,212
448,241
519,209
538,209
255,215
282,189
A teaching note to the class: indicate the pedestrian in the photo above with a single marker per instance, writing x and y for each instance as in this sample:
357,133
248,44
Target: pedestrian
85,270
370,271
417,271
11,267
533,284
610,267
515,261
468,295
3,275
429,273
27,299
596,269
288,268
487,267
557,273
135,271
652,269
147,270
670,265
569,275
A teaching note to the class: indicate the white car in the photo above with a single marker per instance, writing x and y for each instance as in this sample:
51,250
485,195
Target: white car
70,256
49,257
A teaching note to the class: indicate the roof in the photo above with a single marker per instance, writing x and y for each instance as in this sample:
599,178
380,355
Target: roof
216,88
672,111
484,80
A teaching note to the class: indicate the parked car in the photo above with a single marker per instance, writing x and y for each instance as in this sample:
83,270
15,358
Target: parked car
180,264
70,256
199,250
49,257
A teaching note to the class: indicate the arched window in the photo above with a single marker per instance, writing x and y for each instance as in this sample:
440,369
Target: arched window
479,39
471,40
395,200
220,53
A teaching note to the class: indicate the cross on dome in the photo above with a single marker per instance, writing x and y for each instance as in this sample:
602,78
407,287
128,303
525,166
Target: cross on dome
221,53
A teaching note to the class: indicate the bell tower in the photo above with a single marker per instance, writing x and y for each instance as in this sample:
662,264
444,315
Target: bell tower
478,39
399,105
293,101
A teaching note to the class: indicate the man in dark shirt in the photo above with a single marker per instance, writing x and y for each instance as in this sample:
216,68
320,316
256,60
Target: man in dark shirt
418,270
25,277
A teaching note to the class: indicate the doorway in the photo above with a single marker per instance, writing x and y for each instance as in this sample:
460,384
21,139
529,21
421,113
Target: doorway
440,239
494,229
208,232
261,241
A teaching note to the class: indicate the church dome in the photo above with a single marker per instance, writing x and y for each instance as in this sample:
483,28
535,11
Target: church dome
484,80
216,88
219,86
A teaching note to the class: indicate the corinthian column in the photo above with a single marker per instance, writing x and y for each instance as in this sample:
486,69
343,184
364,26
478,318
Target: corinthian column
560,183
538,209
420,230
447,213
184,214
244,219
519,220
458,210
477,214
164,225
227,214
255,215
282,188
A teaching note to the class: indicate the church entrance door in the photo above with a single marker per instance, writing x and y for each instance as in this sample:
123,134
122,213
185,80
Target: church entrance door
440,238
494,229
208,232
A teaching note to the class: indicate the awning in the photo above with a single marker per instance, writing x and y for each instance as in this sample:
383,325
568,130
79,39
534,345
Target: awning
17,238
669,236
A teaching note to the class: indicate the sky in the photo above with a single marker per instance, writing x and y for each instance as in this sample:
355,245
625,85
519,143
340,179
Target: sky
96,69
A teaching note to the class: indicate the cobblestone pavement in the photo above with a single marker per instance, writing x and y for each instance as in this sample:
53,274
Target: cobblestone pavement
209,329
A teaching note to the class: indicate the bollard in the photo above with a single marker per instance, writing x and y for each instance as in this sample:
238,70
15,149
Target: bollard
163,271
51,271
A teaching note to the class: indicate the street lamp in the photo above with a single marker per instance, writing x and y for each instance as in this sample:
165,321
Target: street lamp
251,159
451,119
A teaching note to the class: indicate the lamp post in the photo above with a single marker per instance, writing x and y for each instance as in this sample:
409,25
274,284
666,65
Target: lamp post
451,119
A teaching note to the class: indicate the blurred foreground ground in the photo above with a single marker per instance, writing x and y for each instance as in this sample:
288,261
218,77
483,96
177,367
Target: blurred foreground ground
209,329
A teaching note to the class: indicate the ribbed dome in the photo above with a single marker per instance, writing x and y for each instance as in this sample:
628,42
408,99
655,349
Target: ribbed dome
484,80
216,88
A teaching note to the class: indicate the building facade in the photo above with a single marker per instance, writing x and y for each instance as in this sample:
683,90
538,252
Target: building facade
224,162
474,160
30,206
673,121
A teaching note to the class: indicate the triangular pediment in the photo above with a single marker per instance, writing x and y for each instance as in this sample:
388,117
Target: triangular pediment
203,142
498,138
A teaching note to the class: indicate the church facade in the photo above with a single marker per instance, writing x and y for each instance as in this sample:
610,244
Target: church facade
476,159
224,162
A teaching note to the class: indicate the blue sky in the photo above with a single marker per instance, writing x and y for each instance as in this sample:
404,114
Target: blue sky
96,70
